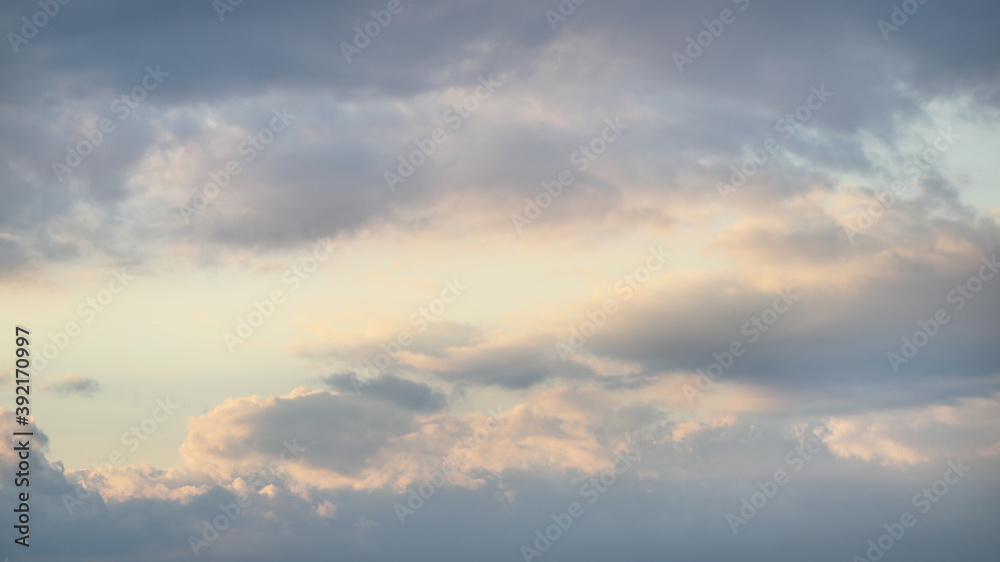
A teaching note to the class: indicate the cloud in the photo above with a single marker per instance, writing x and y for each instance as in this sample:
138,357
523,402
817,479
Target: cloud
563,424
536,460
320,178
73,384
401,392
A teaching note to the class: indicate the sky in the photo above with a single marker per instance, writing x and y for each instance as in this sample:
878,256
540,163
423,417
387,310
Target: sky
497,281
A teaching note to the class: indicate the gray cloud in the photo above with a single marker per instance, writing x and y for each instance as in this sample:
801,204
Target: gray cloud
324,176
72,384
400,392
675,497
759,69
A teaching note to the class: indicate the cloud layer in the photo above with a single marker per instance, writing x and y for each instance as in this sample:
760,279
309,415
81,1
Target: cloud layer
697,245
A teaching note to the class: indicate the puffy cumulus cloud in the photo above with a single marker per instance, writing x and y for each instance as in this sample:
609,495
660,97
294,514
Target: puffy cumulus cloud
559,431
373,440
343,472
344,433
376,440
46,486
40,441
686,473
963,428
868,441
564,430
121,483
